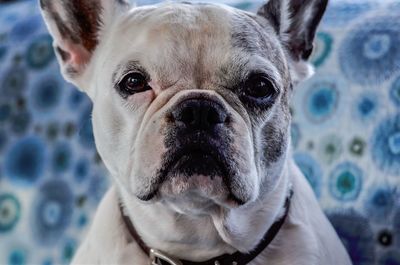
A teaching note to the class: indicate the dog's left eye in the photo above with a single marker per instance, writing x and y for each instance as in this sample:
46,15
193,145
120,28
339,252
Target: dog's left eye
259,87
133,83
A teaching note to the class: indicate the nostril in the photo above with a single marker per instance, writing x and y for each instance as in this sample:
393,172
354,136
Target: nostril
187,115
215,116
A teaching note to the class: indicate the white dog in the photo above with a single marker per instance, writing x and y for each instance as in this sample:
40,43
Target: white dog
191,117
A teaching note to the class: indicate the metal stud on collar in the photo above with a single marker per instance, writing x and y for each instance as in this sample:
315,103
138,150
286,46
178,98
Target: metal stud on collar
156,256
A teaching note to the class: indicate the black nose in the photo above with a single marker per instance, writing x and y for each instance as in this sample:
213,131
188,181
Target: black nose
199,114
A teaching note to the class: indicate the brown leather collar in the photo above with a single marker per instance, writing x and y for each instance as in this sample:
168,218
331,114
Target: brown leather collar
237,258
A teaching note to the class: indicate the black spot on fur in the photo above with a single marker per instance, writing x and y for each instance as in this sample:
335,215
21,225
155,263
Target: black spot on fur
249,35
256,37
275,142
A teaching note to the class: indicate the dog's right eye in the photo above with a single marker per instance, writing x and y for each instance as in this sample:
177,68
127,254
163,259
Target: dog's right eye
259,87
133,83
258,90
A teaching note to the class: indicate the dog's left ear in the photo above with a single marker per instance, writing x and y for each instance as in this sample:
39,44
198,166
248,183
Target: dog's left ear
77,27
295,22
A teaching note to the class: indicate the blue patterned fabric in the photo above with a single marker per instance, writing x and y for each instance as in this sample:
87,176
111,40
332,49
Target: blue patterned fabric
346,136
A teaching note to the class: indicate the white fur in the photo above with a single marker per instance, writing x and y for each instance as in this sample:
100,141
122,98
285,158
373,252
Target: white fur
183,48
306,238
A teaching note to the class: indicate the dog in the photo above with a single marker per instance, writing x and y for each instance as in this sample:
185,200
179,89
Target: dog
191,118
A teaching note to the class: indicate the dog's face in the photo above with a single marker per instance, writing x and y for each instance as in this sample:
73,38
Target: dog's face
191,101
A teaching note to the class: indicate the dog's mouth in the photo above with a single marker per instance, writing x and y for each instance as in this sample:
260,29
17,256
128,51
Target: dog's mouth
200,168
195,161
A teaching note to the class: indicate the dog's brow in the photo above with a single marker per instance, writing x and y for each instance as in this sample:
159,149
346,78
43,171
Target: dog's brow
124,68
240,68
261,65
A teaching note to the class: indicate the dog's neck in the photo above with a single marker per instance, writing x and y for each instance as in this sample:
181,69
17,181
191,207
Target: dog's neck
198,238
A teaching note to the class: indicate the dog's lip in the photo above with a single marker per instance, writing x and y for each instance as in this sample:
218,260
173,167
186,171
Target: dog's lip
197,151
203,150
199,148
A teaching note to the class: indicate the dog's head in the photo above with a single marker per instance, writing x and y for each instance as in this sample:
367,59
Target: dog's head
191,101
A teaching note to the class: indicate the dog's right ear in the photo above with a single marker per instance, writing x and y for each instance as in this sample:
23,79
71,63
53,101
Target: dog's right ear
77,27
295,22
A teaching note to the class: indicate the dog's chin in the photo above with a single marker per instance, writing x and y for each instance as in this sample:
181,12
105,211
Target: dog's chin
196,194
